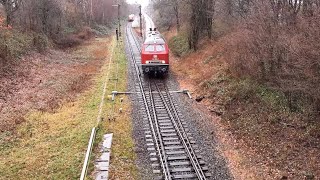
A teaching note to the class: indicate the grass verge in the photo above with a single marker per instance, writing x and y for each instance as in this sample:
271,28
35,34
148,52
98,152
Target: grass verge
122,164
52,145
123,154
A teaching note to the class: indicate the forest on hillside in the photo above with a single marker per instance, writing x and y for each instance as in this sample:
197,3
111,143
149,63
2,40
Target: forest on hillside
255,64
36,24
275,42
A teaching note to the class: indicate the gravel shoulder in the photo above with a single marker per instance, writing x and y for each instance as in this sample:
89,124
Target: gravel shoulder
203,130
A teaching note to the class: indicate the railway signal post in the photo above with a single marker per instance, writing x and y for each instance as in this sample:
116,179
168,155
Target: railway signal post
117,34
119,20
140,14
119,23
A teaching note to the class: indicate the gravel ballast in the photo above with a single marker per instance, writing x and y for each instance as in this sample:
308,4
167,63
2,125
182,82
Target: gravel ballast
199,125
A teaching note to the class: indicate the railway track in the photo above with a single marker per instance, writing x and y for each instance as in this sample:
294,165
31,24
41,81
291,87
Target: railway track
173,152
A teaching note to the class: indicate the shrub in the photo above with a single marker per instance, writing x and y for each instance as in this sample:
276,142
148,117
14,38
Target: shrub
14,44
179,45
69,30
40,42
86,33
101,30
68,41
282,56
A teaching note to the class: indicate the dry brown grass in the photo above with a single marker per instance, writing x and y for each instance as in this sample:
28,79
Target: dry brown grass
74,39
52,144
42,82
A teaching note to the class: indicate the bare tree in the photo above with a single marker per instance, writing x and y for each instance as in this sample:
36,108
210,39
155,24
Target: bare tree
10,6
200,20
168,12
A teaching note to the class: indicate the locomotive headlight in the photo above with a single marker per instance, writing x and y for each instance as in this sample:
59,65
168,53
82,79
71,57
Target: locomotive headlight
163,62
147,62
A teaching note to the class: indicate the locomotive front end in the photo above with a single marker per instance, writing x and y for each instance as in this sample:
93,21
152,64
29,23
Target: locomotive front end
155,55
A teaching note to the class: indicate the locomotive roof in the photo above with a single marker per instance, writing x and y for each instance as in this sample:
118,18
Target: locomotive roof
154,37
154,40
153,33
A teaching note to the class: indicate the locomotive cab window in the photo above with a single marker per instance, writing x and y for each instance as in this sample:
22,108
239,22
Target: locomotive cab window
160,48
149,48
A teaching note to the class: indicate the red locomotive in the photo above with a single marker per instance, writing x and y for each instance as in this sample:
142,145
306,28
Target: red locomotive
154,53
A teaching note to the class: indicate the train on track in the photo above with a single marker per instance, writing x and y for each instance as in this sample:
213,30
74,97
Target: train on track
154,53
131,17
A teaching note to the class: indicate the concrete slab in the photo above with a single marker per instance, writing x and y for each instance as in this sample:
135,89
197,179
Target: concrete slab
102,175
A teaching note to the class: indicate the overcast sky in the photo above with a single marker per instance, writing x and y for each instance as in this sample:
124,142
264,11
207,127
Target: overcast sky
143,2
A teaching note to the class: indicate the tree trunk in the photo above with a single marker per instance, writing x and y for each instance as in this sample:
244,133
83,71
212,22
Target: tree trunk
176,10
8,20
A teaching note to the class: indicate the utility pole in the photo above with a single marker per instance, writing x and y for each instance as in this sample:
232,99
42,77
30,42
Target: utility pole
119,19
140,14
119,25
91,13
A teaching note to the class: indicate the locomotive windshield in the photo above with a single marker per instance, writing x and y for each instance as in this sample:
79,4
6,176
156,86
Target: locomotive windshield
149,48
160,48
153,47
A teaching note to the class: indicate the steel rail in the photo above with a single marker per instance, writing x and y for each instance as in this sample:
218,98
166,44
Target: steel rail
181,132
173,114
136,41
165,171
158,130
